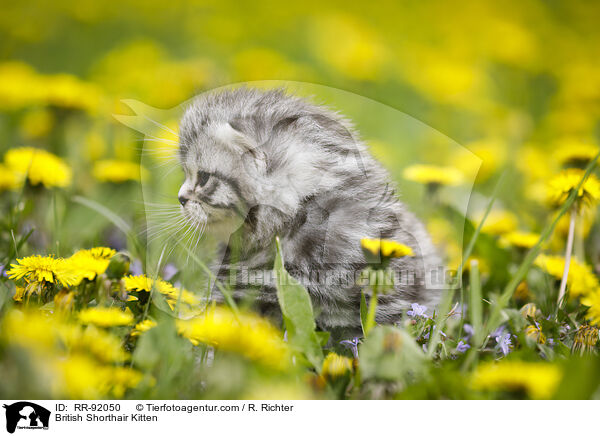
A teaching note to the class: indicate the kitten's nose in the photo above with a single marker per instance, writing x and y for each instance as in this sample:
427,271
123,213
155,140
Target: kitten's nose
182,200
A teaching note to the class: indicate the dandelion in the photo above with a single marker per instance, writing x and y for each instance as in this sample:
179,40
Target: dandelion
9,179
582,281
90,263
433,175
39,166
529,310
498,222
336,366
518,239
586,338
43,269
592,300
142,327
106,316
588,193
142,283
385,248
64,299
118,171
576,153
246,334
538,380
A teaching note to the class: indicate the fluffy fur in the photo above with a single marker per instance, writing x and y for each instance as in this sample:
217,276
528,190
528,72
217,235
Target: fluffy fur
299,171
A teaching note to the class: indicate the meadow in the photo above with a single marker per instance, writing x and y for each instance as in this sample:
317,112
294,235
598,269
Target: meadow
485,115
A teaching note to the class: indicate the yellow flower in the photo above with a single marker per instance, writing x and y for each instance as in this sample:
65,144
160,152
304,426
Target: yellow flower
385,248
145,284
248,335
106,316
79,377
575,152
535,332
581,280
9,179
118,171
529,310
37,123
335,366
498,222
90,263
97,342
142,327
592,300
433,175
519,239
43,269
561,186
40,166
538,380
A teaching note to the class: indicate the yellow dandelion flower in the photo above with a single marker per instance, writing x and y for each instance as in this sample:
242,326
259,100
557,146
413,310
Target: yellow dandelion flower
37,123
433,175
385,248
581,280
142,327
336,366
40,166
498,222
561,186
80,377
529,310
9,179
173,294
592,300
90,263
106,316
519,239
571,151
247,334
118,171
92,340
538,380
43,269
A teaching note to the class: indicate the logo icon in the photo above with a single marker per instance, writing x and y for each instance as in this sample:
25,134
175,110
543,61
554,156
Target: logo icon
26,415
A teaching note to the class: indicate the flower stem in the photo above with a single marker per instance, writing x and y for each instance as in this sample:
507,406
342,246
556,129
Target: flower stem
569,249
370,323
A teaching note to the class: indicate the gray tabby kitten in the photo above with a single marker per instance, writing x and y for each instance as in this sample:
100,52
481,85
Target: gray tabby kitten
299,171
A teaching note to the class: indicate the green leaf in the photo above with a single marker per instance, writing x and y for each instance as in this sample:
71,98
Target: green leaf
297,311
363,311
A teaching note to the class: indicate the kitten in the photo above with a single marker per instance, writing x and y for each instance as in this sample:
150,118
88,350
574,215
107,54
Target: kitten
296,170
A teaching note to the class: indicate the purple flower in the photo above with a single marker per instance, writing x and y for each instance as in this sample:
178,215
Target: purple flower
498,332
504,342
426,335
417,310
461,347
468,328
352,344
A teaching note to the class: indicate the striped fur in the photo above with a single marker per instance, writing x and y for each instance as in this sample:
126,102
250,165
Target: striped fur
299,171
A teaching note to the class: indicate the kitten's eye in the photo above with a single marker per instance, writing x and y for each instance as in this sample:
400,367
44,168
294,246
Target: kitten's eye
202,179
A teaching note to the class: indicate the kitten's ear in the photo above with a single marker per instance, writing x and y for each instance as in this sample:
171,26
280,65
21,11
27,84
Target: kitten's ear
242,144
234,139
